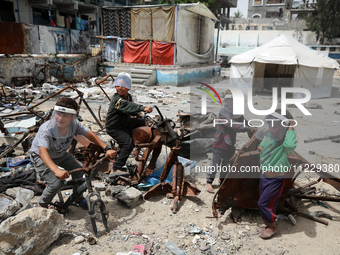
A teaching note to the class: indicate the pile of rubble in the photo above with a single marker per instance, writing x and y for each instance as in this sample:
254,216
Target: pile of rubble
20,120
37,228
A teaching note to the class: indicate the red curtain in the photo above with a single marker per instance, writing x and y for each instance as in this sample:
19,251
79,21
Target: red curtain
136,52
162,53
139,52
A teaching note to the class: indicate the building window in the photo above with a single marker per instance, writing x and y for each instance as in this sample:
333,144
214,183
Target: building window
256,15
257,2
272,15
7,11
269,2
41,16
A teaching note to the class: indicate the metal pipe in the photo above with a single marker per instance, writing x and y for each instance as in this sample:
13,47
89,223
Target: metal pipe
175,46
218,34
89,108
151,36
315,197
102,80
18,11
25,135
18,113
308,216
49,12
97,24
48,98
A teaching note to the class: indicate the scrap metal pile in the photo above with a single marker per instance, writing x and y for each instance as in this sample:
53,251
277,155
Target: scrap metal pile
150,139
52,71
240,190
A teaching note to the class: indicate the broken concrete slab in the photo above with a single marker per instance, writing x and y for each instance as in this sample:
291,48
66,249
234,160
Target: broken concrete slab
30,232
22,196
99,186
116,190
130,196
8,207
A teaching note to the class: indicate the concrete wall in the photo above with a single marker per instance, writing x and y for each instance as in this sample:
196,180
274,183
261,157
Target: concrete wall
31,39
284,23
54,40
233,42
30,66
18,38
80,42
257,38
194,38
206,40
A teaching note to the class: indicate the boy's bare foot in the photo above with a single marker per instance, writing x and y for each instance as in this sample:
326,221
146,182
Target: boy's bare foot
209,188
269,231
260,230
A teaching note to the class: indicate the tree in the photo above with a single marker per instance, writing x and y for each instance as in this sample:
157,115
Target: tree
238,14
325,21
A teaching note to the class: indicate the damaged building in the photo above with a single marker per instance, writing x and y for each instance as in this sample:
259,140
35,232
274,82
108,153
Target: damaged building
47,41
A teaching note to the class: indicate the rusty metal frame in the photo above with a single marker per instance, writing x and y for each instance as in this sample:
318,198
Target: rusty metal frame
98,82
80,95
242,191
60,68
179,186
28,134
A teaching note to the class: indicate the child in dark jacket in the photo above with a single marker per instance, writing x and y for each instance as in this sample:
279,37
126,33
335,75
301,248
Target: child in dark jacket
121,119
223,147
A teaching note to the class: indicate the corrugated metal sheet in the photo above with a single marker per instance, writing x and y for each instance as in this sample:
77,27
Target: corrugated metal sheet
12,38
117,22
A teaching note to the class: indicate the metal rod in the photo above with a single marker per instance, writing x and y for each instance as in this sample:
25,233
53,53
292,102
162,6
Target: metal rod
315,197
89,108
18,113
15,145
308,216
48,98
218,34
104,79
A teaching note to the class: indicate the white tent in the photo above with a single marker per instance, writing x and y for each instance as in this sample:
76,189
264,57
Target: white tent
283,62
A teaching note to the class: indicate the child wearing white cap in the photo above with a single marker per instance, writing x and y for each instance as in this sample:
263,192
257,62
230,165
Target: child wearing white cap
122,118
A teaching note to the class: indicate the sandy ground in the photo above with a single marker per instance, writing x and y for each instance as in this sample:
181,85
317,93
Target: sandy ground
155,220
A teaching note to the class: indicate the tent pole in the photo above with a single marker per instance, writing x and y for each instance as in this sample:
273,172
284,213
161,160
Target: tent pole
298,66
151,37
175,37
218,35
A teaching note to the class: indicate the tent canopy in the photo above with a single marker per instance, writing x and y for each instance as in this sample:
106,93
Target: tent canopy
200,9
285,50
283,62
